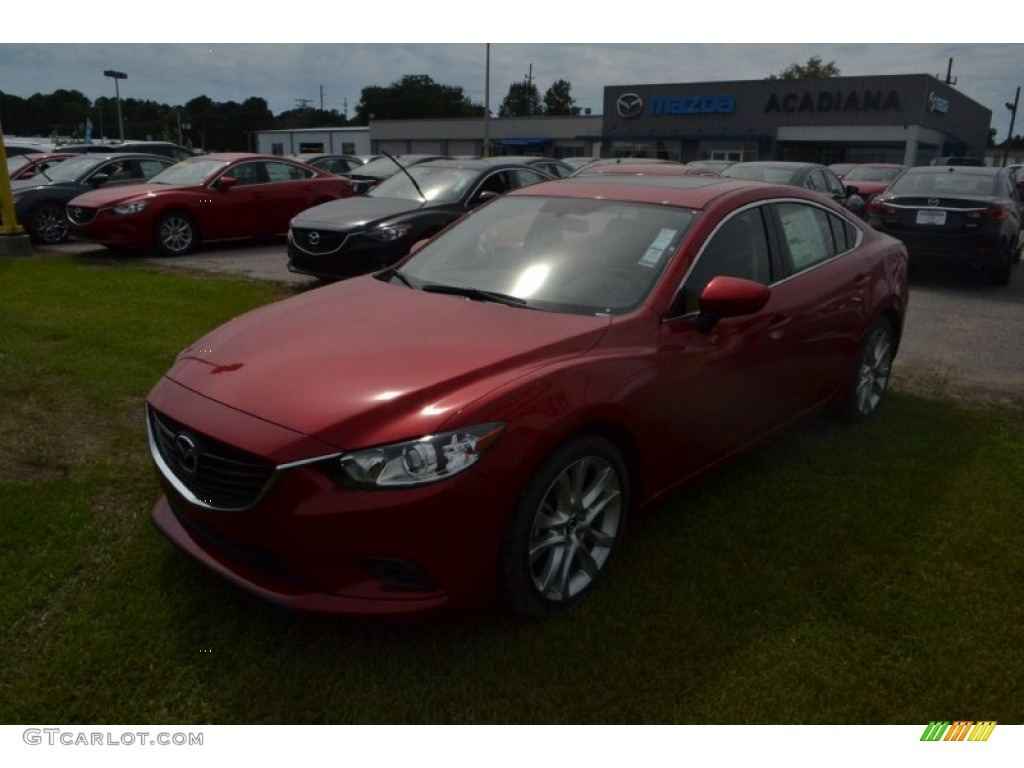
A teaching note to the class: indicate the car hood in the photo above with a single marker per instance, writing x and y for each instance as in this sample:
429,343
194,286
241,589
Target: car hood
103,197
364,362
353,212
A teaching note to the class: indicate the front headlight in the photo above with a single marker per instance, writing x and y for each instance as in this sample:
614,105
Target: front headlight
128,208
415,462
390,232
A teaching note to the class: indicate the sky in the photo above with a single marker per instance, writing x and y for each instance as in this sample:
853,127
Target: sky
314,54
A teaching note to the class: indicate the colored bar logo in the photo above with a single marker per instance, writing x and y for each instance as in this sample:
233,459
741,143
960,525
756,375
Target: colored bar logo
959,730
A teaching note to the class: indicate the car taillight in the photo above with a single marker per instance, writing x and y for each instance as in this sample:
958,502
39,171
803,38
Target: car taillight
997,212
876,206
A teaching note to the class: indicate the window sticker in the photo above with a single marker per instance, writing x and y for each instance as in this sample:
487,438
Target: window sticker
656,251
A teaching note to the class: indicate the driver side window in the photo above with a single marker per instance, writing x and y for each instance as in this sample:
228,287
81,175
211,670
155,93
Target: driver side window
738,248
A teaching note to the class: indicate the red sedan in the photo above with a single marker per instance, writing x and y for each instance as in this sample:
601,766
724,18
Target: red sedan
485,417
208,197
872,178
28,165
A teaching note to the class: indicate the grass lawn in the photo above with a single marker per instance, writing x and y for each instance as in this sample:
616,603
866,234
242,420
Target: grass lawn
839,574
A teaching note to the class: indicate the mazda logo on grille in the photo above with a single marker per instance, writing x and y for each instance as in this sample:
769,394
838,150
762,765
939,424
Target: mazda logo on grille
76,212
933,201
188,454
629,105
314,238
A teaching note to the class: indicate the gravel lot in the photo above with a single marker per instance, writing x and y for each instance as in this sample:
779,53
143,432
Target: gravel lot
963,337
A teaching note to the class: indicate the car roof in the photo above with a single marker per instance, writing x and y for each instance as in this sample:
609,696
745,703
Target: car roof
941,170
480,163
683,191
779,164
661,169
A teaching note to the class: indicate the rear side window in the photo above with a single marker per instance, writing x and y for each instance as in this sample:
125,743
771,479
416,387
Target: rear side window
812,235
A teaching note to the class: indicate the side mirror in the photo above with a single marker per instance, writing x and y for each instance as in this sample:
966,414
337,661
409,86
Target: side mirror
225,182
851,189
729,297
485,196
99,179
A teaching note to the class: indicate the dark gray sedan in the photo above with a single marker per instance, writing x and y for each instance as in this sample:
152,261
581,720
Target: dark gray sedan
811,176
39,202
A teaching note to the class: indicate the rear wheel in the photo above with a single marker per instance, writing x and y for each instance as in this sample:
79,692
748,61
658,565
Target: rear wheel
48,224
565,528
871,376
176,234
1000,274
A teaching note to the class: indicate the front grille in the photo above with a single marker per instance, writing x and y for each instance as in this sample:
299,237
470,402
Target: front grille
79,215
318,242
217,475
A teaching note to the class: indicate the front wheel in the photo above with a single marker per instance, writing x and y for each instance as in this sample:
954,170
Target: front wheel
176,234
48,224
565,528
871,376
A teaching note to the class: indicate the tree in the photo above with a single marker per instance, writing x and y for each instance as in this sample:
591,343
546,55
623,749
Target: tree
522,100
414,97
558,100
813,69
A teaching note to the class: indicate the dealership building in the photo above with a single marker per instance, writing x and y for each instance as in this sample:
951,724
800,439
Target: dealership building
908,119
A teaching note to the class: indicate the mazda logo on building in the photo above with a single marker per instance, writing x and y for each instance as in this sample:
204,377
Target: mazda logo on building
629,105
188,454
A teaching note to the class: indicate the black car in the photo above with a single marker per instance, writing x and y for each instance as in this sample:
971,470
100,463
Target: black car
808,175
954,213
372,173
164,148
332,163
39,202
362,234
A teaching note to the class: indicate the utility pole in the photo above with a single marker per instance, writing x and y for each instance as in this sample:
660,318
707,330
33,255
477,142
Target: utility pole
950,80
1013,118
529,88
303,103
321,98
487,102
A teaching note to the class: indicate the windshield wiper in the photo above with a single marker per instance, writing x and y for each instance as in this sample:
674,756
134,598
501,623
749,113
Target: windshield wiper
406,172
390,272
476,294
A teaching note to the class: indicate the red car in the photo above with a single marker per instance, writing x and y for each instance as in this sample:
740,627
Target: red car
28,165
872,178
208,197
652,168
484,418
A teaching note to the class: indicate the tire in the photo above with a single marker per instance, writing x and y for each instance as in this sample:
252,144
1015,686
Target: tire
1000,273
565,528
47,224
872,373
176,234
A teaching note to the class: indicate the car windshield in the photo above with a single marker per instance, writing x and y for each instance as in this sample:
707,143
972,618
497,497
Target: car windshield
872,173
75,168
957,183
769,173
189,172
439,185
14,163
565,255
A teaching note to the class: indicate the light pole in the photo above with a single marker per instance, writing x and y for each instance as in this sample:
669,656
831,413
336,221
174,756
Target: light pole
1013,118
117,92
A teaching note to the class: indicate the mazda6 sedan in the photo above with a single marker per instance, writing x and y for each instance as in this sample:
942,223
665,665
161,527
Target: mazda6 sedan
483,419
368,232
954,214
207,197
39,200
